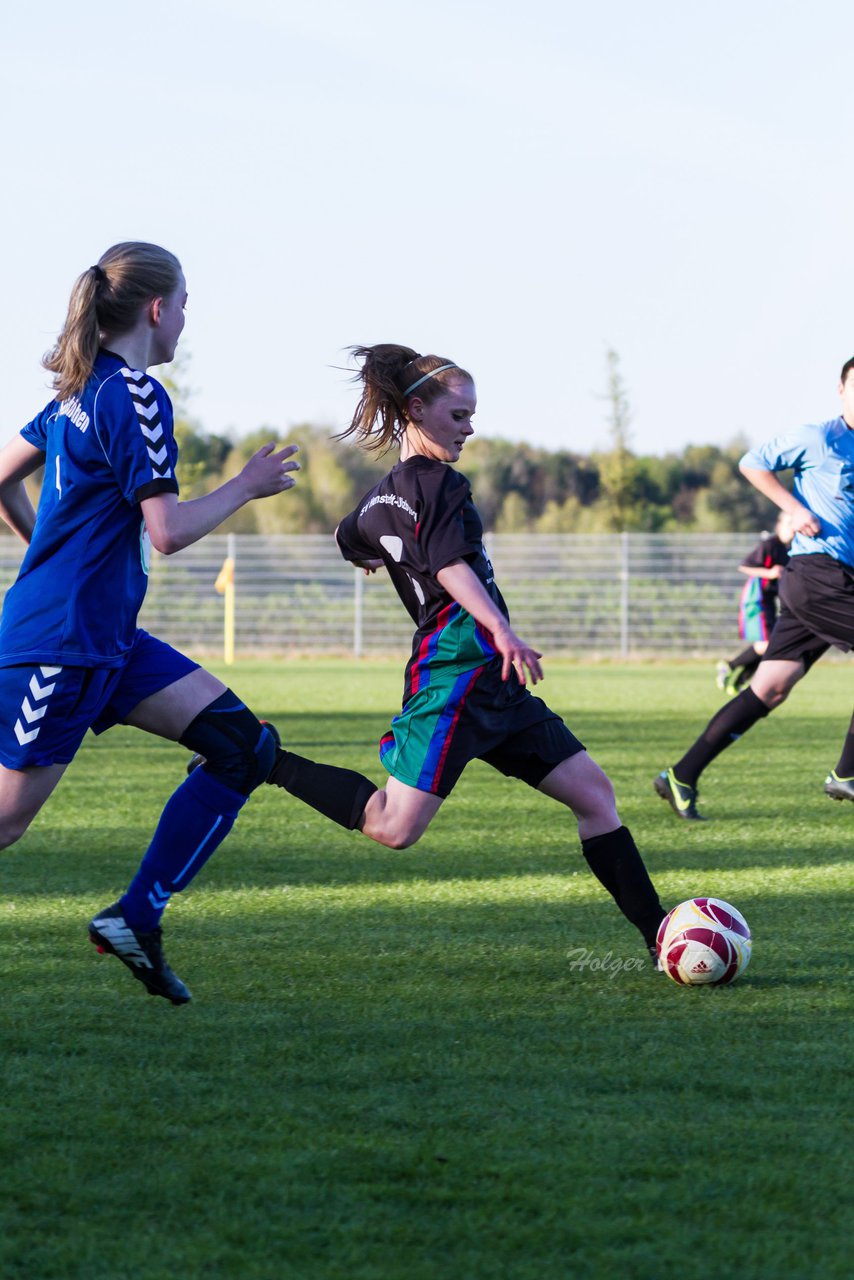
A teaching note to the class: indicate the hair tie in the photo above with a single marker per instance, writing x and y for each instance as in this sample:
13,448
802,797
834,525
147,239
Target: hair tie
431,374
100,273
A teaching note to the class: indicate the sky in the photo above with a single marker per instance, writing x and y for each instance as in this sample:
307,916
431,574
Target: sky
518,187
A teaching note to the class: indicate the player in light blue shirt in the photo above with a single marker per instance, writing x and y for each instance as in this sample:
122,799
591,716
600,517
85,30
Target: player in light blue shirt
816,591
821,460
72,657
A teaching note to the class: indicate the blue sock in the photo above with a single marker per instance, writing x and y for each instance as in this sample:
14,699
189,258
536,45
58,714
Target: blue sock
196,820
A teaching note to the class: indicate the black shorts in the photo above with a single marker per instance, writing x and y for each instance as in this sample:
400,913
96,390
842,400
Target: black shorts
817,610
474,716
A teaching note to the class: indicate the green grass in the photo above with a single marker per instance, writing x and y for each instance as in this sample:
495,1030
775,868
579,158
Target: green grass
390,1067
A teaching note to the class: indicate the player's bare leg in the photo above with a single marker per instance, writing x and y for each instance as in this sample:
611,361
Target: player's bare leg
399,815
22,794
585,788
775,680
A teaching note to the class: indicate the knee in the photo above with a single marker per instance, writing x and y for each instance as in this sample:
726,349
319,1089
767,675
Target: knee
11,829
776,693
239,751
581,784
393,835
398,841
774,681
598,799
594,805
386,825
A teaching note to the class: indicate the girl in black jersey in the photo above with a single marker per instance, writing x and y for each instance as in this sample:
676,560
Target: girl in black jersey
465,688
757,606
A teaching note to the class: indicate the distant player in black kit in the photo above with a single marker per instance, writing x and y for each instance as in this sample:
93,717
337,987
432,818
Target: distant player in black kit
816,592
465,691
757,606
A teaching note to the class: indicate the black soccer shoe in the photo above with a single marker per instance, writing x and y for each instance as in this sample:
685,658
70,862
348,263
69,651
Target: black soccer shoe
681,798
197,759
655,958
141,952
838,788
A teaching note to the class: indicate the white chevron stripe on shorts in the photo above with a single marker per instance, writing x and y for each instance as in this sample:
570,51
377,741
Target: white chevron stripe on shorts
30,711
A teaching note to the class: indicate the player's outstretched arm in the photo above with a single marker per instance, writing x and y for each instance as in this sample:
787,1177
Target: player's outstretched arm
461,582
761,571
173,525
803,520
18,459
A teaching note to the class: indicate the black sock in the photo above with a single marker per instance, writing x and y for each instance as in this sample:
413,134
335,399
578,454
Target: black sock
339,794
724,728
748,671
615,862
747,658
845,767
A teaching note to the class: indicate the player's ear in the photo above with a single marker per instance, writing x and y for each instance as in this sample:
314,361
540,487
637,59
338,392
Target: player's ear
416,408
154,308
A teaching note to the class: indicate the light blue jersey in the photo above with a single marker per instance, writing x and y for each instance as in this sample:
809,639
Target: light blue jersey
821,459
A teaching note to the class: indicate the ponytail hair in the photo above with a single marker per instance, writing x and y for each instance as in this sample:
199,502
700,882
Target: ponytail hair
107,300
388,374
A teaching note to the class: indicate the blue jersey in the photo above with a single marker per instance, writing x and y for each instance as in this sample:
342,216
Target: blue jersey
83,579
821,458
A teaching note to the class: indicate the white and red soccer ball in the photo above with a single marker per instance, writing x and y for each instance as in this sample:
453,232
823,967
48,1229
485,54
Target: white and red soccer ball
703,941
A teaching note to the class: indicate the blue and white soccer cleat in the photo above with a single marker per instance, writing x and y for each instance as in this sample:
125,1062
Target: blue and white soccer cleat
141,952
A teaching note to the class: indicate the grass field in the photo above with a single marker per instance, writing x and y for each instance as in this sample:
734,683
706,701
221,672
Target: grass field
394,1065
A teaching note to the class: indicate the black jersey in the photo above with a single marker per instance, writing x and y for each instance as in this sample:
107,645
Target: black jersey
767,553
418,519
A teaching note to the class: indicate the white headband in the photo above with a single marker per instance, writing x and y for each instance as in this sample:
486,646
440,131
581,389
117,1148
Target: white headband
431,374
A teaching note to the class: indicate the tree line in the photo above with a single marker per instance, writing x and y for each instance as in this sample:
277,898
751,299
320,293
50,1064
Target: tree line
518,487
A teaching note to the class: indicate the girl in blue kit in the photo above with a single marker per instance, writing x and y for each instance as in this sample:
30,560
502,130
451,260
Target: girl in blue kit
71,655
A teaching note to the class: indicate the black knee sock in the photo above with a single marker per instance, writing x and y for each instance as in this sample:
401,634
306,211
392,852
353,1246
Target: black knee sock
339,794
747,658
845,767
725,728
615,862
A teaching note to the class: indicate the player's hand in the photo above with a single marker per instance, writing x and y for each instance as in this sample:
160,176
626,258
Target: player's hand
803,521
517,656
269,471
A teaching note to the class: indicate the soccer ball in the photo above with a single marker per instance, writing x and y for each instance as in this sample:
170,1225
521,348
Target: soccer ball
703,941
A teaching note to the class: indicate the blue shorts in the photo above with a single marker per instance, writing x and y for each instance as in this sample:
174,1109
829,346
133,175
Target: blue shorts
45,711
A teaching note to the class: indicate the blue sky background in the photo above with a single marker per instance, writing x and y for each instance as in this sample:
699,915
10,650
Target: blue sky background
515,186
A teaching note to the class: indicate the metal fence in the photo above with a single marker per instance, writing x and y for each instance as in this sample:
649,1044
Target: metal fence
597,595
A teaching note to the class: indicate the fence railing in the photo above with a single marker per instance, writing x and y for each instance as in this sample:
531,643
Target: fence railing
603,595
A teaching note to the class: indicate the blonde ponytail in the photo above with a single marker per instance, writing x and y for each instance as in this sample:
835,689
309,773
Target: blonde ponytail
107,299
